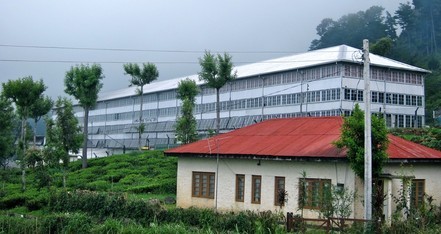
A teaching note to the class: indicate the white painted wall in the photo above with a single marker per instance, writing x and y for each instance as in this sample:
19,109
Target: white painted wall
228,168
291,170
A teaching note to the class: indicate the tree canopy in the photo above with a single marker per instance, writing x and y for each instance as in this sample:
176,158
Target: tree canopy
84,83
6,131
40,108
352,139
351,29
186,124
216,71
23,92
141,77
410,35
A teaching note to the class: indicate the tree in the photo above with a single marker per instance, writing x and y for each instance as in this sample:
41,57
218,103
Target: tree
382,47
84,83
141,77
216,71
186,123
352,139
63,136
41,107
351,29
6,131
23,92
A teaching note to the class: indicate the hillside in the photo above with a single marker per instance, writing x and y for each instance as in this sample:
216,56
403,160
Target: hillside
117,194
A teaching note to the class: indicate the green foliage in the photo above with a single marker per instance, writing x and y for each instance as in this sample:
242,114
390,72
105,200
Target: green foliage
187,89
33,199
23,92
63,135
424,218
216,71
352,139
382,47
186,131
110,226
186,125
141,77
244,221
144,172
103,205
352,28
337,202
33,158
112,208
6,131
84,83
430,137
40,108
417,43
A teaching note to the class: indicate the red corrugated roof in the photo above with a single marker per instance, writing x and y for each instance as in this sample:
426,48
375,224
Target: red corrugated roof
310,137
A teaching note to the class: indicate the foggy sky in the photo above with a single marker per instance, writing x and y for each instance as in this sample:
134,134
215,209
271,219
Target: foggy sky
173,34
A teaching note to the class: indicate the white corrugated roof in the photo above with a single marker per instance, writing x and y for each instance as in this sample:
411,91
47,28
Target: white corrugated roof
342,53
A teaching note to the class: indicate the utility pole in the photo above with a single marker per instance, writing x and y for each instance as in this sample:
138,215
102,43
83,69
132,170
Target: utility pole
367,134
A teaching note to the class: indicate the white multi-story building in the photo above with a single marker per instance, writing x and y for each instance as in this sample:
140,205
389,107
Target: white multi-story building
326,82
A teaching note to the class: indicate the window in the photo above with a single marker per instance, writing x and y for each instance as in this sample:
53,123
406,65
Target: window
256,189
312,192
380,97
374,98
400,99
417,193
279,191
240,187
203,184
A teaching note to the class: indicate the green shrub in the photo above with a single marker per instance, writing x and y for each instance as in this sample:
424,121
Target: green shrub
110,226
78,223
17,225
99,185
38,202
12,200
53,223
118,165
132,179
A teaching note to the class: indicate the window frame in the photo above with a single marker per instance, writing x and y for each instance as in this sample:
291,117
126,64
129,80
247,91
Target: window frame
416,197
240,192
277,188
308,183
210,185
255,188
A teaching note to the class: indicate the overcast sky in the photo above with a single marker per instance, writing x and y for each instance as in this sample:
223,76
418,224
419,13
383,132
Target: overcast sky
172,34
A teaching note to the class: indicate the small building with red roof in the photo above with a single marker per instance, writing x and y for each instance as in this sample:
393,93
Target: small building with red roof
246,169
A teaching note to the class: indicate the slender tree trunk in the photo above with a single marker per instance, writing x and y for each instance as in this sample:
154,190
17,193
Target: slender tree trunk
23,179
140,118
35,132
23,154
85,135
217,111
64,178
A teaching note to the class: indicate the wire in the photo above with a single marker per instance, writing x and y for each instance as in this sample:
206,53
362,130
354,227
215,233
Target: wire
147,50
156,62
